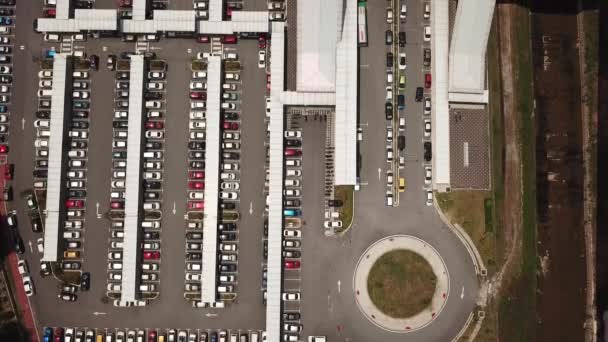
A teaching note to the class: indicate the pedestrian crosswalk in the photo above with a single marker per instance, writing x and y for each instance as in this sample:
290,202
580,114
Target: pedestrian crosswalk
141,46
67,45
216,46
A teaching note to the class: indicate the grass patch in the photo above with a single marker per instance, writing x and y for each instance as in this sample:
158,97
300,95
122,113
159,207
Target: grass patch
346,194
488,210
467,208
401,283
517,309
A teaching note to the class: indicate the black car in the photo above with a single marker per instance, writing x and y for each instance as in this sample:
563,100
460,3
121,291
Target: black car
227,237
293,143
152,236
119,155
151,195
292,202
427,57
43,114
231,155
227,226
155,145
6,79
81,104
126,54
194,256
196,145
7,2
83,4
335,203
122,75
120,124
388,111
194,236
196,155
213,337
42,163
419,94
6,11
85,281
18,241
231,116
428,151
153,95
94,60
291,254
78,144
401,142
80,114
80,124
159,5
40,173
291,316
77,193
402,40
197,165
389,59
152,185
227,267
228,206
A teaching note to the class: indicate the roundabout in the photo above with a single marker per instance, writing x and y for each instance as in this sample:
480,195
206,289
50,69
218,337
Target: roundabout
401,283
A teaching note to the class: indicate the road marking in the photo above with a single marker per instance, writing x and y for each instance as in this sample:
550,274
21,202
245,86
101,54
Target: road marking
462,293
23,124
22,47
31,246
250,208
174,208
209,314
364,65
339,283
104,48
96,313
379,173
97,210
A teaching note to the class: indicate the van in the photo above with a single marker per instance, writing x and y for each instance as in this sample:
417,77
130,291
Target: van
153,155
233,76
43,133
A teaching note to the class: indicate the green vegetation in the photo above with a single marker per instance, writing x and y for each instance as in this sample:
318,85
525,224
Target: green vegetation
401,283
467,209
346,194
517,309
488,215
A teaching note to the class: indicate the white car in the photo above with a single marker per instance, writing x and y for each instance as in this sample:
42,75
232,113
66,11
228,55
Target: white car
40,245
156,86
45,73
429,197
230,167
229,86
427,33
292,192
121,115
28,286
389,16
291,296
76,174
228,247
156,75
203,55
38,123
231,136
427,106
197,115
389,93
22,267
427,11
296,328
154,134
197,104
45,84
153,104
261,59
232,196
199,74
292,233
332,224
276,16
198,85
197,124
402,63
196,195
403,12
428,175
5,69
230,186
80,74
293,134
196,135
80,94
427,128
228,105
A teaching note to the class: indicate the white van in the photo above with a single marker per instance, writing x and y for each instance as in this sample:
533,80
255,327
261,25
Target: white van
43,133
45,93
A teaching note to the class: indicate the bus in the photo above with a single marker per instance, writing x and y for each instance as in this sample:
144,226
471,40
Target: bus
362,23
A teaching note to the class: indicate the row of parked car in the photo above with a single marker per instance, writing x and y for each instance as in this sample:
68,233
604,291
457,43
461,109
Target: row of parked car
152,174
150,335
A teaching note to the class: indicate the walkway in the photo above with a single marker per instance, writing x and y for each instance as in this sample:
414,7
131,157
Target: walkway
368,259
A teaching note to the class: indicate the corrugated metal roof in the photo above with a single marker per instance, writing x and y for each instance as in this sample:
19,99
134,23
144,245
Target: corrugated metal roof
216,10
230,27
308,98
139,10
440,109
275,190
56,25
212,169
345,123
55,169
84,20
468,46
133,181
62,9
163,21
253,16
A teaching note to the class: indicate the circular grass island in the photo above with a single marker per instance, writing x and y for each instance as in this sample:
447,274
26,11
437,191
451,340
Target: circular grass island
401,283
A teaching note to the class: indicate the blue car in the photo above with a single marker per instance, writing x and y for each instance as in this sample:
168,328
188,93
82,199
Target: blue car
49,53
291,212
3,109
6,21
48,334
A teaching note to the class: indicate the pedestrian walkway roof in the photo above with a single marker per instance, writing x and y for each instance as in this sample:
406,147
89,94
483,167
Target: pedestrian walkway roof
440,107
241,22
54,200
84,20
133,181
308,98
212,169
139,10
345,124
216,10
162,21
62,9
275,189
468,49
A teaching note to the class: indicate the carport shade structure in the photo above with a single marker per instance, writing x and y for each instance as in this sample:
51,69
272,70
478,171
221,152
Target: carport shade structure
133,181
55,191
212,167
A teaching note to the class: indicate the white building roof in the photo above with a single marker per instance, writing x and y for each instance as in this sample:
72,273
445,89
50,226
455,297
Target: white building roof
212,169
84,20
440,107
139,10
253,16
216,10
230,27
317,35
275,189
163,21
133,181
62,9
308,98
468,47
55,169
345,125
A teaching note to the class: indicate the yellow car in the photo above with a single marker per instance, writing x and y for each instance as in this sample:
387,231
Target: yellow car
401,184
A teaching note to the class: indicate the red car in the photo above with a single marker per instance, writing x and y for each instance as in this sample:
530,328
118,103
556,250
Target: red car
230,39
290,152
196,205
292,264
427,81
58,334
268,82
228,12
9,170
151,255
116,205
50,13
199,95
203,39
196,175
124,3
154,124
3,148
196,185
261,42
74,203
152,336
231,125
